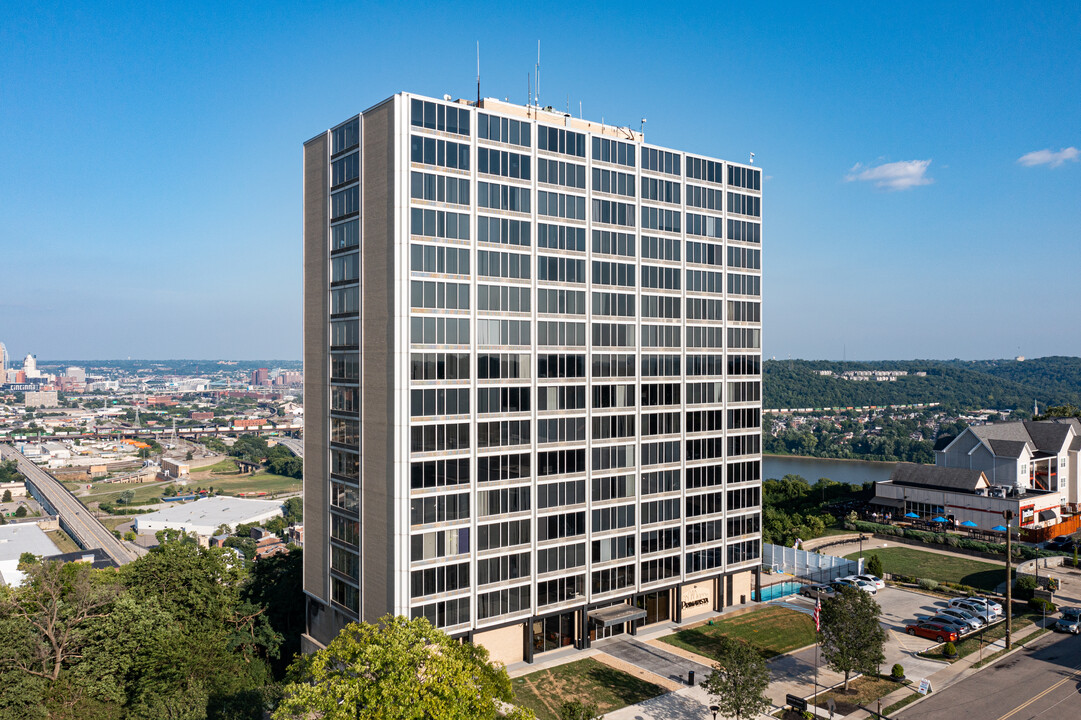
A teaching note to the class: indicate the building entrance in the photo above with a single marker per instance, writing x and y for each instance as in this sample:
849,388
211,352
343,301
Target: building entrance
553,632
658,607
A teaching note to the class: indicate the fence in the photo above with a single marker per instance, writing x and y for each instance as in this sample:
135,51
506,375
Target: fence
806,565
1068,526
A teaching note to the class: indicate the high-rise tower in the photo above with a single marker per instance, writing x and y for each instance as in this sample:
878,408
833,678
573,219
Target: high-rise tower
532,375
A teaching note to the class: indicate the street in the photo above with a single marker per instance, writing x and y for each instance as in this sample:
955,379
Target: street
1041,681
84,528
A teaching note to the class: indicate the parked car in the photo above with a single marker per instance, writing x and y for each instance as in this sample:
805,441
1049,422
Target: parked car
1061,542
992,604
876,581
977,608
817,591
860,584
965,616
933,631
1070,621
959,626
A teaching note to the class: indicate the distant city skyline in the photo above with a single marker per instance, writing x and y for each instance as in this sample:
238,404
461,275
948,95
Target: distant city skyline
921,162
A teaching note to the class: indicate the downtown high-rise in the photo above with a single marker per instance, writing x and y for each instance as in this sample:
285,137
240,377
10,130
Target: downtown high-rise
532,375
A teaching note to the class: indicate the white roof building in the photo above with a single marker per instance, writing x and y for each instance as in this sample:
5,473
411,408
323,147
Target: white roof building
16,540
204,517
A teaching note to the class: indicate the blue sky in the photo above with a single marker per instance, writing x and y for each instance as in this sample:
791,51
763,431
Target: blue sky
150,186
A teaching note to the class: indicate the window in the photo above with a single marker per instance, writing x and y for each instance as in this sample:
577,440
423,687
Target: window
561,397
563,302
743,311
658,190
445,613
503,231
426,222
611,579
502,399
503,332
660,161
606,366
561,205
501,162
707,170
446,578
439,508
613,243
611,181
345,202
499,129
502,535
495,468
557,172
558,140
661,453
435,116
659,248
561,462
560,333
660,568
613,273
661,306
345,170
665,423
613,396
439,188
503,298
439,544
705,225
441,473
439,366
744,231
561,494
345,235
613,151
613,426
744,204
502,433
507,601
561,269
439,331
494,263
345,137
613,457
661,278
502,568
660,365
551,366
439,401
503,366
705,198
438,152
660,481
611,212
748,178
438,259
745,471
559,590
613,334
565,525
345,301
502,501
563,429
560,558
561,237
433,438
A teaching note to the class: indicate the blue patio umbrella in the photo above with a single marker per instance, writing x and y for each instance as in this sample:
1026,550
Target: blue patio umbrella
911,515
969,523
999,528
939,519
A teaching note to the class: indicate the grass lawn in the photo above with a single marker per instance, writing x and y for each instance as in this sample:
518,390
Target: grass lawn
109,492
900,704
944,568
861,691
587,680
225,466
63,541
773,630
115,521
257,482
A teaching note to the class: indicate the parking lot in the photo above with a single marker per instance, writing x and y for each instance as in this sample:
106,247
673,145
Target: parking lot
899,608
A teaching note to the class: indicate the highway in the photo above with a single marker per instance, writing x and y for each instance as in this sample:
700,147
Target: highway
1040,681
85,529
297,446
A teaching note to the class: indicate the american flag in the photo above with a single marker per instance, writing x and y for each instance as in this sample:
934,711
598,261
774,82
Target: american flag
818,615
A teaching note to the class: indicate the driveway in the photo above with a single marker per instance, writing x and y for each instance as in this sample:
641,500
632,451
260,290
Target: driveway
652,659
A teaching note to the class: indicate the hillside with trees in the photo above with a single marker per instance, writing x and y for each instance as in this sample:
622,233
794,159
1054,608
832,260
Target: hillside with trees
993,384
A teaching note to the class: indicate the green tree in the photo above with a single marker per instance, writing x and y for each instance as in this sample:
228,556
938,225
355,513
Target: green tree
852,640
293,509
739,680
7,496
398,669
126,497
874,566
577,710
276,583
20,512
55,604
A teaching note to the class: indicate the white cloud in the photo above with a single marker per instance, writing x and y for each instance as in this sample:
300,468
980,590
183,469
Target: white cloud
1049,157
893,176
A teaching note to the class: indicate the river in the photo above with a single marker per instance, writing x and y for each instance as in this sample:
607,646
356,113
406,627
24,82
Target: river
855,472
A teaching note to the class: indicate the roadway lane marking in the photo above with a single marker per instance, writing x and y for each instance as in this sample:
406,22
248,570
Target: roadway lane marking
1034,698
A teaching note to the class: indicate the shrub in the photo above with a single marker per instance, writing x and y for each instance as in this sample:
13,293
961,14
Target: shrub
928,583
898,672
949,649
1024,587
953,540
1041,605
874,566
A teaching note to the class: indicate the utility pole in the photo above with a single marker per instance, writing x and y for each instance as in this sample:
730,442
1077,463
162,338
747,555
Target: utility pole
1008,514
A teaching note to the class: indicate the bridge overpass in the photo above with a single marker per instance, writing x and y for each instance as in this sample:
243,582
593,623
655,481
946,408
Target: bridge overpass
158,433
294,445
76,520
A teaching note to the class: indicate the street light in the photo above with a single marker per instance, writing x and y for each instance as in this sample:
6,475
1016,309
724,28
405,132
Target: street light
862,538
714,709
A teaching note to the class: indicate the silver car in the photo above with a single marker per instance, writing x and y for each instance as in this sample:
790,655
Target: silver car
974,607
964,616
1070,621
959,626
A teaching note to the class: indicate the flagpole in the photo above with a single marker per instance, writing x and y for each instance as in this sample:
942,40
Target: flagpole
818,628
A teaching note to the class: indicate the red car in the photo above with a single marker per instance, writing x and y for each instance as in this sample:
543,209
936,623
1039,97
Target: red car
933,631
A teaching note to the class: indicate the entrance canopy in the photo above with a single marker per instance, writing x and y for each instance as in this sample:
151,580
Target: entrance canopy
616,615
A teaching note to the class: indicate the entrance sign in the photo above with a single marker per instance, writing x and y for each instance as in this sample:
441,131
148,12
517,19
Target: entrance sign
925,687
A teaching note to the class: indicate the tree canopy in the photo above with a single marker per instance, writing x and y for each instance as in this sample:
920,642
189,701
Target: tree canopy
852,640
398,669
739,680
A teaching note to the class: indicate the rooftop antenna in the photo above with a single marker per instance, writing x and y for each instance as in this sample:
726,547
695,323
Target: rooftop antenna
478,72
529,91
642,127
537,69
751,161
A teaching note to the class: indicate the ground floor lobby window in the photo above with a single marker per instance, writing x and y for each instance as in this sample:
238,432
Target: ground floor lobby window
553,632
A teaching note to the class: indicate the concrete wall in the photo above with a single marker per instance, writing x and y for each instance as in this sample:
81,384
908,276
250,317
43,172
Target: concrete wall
378,384
697,597
742,583
504,645
316,372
